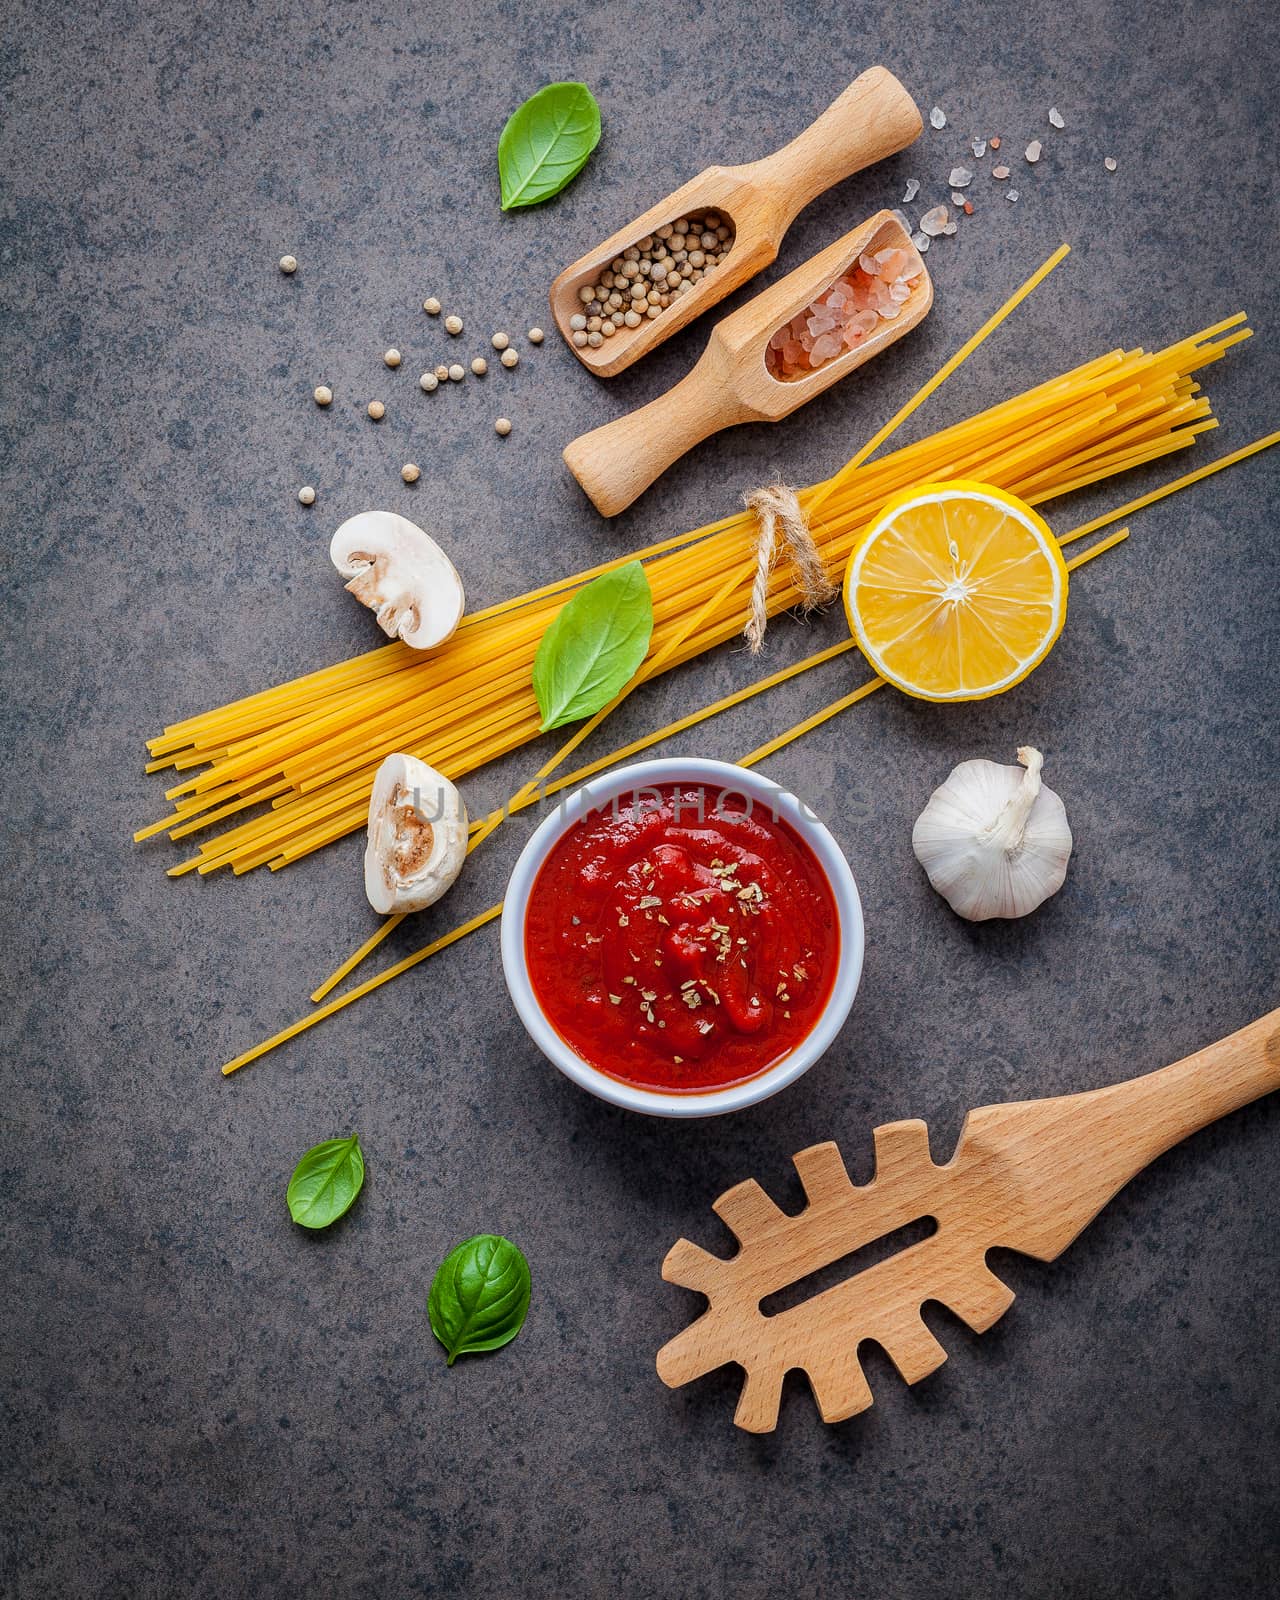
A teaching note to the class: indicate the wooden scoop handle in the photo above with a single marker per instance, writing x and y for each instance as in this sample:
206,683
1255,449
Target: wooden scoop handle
617,463
872,119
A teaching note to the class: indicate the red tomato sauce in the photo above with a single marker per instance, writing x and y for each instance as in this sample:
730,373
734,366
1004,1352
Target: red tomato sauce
678,941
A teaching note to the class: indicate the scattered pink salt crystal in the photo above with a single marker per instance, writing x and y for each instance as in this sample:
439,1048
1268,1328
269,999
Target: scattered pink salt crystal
933,222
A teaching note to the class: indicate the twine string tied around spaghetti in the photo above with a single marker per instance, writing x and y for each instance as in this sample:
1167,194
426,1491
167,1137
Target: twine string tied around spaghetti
779,515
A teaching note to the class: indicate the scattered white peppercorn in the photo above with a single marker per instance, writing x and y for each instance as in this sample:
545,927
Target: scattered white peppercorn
288,264
479,366
502,427
323,395
535,336
500,341
453,325
428,381
457,372
376,410
410,473
431,306
307,495
442,372
391,357
509,358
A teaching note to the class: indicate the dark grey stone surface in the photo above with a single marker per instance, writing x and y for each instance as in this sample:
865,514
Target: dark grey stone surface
199,1399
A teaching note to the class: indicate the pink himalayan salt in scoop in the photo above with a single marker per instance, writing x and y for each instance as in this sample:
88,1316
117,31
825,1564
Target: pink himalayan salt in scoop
843,315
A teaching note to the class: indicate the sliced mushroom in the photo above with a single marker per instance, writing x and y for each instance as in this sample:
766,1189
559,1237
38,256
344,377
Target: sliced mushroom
401,573
417,836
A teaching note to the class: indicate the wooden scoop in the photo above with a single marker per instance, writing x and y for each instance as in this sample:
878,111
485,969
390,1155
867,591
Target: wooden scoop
873,118
731,382
1027,1176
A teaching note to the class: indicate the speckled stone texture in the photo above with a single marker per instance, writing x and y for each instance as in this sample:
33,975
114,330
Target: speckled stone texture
202,1400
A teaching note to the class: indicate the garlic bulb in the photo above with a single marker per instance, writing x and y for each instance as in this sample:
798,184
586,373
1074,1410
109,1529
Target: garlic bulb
994,842
417,836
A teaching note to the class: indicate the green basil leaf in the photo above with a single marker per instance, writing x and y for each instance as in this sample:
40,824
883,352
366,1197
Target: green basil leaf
594,646
325,1182
480,1296
546,142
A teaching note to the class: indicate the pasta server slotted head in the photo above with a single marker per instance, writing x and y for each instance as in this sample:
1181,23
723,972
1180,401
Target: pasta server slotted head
873,118
1028,1176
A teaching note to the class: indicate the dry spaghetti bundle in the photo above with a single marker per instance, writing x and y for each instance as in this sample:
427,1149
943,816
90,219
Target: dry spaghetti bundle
301,757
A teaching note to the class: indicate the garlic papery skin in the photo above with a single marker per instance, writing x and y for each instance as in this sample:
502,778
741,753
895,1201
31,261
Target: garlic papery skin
993,840
401,574
417,836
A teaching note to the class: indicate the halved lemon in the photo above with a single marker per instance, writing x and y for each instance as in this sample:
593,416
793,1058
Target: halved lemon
957,591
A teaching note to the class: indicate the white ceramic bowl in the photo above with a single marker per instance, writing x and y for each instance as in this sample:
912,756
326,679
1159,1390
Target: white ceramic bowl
764,791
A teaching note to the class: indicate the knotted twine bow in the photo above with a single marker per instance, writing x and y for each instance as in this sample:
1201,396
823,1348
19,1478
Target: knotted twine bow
776,507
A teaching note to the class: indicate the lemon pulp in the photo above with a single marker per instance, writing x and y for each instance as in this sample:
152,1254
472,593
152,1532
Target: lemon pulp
957,591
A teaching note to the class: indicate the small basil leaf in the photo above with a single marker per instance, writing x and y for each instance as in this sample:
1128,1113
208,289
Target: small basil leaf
594,646
546,142
480,1296
325,1182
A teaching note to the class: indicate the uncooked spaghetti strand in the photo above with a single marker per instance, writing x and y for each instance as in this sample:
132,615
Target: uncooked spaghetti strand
362,989
948,367
1184,482
388,927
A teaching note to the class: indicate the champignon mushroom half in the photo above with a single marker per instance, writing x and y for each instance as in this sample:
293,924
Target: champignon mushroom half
417,836
400,573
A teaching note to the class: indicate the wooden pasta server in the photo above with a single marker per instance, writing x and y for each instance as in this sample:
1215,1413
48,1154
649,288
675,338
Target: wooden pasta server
873,118
739,378
1027,1176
